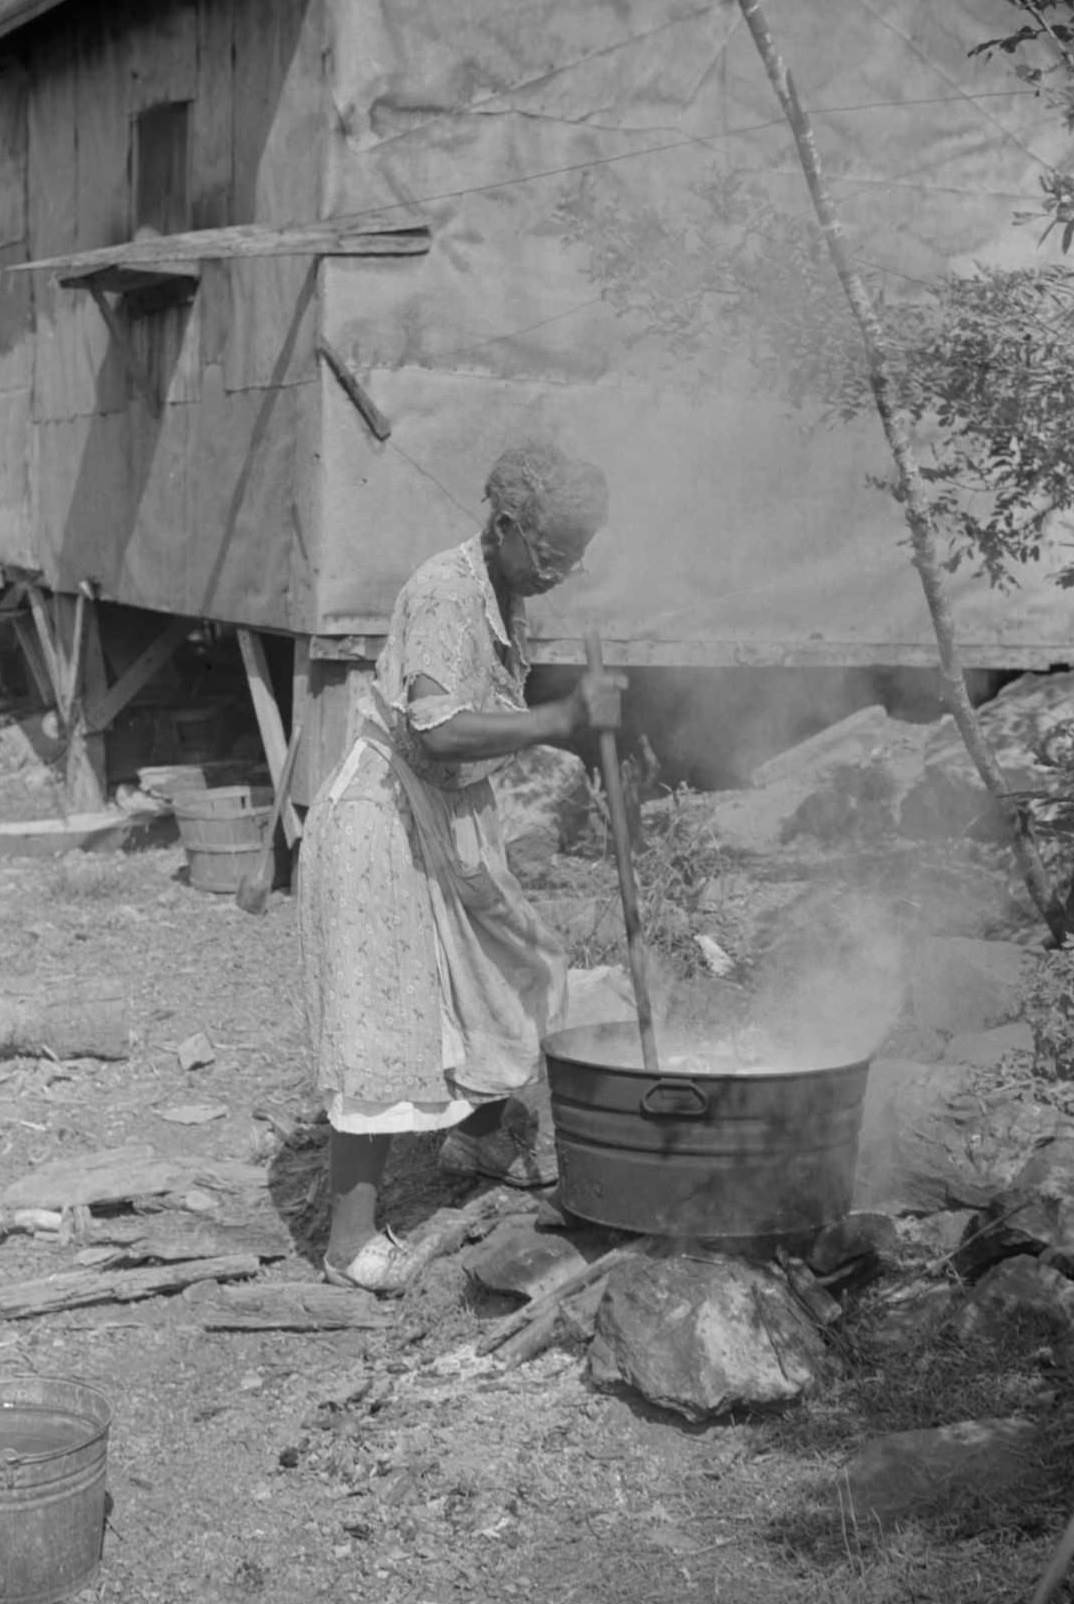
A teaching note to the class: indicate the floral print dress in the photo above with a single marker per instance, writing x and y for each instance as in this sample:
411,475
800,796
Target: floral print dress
429,980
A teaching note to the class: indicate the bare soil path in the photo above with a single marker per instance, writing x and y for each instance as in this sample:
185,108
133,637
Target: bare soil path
377,1465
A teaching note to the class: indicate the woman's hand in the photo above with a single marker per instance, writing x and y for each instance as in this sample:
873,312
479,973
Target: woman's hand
596,701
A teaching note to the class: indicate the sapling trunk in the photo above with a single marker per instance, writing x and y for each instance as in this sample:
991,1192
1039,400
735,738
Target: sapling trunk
923,538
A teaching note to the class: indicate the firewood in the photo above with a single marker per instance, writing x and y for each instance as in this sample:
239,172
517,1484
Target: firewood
293,1306
535,1312
74,1289
121,1174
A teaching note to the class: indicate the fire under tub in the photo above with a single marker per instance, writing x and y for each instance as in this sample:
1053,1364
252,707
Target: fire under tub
739,1154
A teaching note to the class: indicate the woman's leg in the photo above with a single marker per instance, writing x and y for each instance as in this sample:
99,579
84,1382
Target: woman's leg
355,1168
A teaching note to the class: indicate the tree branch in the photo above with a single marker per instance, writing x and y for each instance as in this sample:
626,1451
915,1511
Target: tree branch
926,556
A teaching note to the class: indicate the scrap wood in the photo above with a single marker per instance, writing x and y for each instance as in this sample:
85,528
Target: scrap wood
293,1306
171,1245
74,1289
535,1312
140,1240
118,1175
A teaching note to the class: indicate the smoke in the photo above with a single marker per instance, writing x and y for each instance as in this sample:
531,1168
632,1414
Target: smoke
831,986
827,991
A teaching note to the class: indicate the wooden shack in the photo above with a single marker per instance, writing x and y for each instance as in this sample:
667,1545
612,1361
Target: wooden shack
284,275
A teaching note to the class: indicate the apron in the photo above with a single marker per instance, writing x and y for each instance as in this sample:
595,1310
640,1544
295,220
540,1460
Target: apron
502,971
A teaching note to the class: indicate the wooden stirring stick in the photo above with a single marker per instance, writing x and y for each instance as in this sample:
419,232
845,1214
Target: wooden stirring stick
639,961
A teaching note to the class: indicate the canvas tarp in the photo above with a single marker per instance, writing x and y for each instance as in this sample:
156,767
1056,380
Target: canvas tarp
563,155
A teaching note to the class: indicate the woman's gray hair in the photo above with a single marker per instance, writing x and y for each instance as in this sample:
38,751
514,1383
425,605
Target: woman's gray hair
548,493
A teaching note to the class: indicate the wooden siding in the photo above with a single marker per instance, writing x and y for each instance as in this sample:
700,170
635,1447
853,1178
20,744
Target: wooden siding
188,505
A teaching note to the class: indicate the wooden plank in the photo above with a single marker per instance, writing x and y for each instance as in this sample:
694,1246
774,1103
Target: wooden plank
293,1306
211,132
269,722
163,45
357,236
76,1289
35,662
46,641
179,277
62,380
78,644
345,648
362,637
300,702
13,153
117,1175
102,711
363,403
102,105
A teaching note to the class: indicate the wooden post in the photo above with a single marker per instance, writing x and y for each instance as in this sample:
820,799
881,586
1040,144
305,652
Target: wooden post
34,659
300,697
84,682
269,722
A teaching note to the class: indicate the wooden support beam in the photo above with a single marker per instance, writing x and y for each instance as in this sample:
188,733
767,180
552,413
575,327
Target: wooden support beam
103,710
73,676
120,334
46,641
84,680
34,659
269,722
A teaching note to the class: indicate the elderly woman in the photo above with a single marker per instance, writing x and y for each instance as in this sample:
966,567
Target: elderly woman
429,980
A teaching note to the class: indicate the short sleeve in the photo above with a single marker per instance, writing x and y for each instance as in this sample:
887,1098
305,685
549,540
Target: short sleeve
440,639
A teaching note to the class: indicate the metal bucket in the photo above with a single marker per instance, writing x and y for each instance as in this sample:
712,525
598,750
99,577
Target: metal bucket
754,1156
53,1461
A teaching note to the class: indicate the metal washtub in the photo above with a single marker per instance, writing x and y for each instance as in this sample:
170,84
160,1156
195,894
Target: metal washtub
746,1156
53,1466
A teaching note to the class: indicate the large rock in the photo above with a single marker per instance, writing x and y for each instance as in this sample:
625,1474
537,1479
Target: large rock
750,821
1035,1214
958,984
702,1337
935,1137
1027,725
911,1473
1012,1291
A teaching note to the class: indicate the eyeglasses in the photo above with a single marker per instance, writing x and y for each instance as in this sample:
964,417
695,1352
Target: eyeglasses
547,563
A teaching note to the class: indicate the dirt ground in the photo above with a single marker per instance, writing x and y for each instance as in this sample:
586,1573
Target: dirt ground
231,1476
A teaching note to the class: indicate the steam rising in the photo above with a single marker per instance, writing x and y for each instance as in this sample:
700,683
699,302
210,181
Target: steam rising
827,993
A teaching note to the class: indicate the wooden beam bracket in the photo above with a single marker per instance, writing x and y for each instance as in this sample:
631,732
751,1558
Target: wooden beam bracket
103,712
141,380
371,415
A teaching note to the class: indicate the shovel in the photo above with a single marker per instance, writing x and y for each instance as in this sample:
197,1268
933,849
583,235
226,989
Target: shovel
253,893
639,963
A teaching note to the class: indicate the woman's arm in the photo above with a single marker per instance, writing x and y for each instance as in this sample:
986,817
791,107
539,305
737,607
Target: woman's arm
472,737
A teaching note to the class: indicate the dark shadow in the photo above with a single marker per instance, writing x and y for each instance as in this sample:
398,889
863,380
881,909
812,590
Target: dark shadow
413,1187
